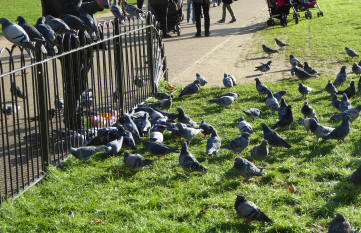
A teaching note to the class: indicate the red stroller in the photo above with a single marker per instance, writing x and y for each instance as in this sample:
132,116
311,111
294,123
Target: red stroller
306,5
280,9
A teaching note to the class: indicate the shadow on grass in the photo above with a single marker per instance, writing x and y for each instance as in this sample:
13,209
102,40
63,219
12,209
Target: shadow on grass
253,75
256,58
231,227
319,150
221,158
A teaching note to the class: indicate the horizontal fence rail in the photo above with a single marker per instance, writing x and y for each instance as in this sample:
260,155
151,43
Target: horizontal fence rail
50,103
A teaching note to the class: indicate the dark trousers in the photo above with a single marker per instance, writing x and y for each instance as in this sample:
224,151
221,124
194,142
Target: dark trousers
198,9
160,11
140,4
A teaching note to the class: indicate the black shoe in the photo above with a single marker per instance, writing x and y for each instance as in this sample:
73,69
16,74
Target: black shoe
207,34
166,36
232,21
197,35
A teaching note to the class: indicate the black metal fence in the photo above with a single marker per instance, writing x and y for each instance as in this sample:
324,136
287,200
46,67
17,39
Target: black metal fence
68,96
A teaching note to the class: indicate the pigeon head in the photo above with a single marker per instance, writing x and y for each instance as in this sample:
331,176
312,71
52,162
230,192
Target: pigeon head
184,147
257,80
41,20
241,198
306,64
344,97
340,218
352,84
20,19
347,48
4,21
126,154
179,125
300,120
289,108
214,132
225,75
300,84
241,119
264,142
291,56
283,103
269,62
269,94
180,110
198,75
265,127
106,4
305,103
343,68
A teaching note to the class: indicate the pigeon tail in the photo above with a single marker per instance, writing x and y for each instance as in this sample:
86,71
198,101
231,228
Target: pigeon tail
260,216
147,162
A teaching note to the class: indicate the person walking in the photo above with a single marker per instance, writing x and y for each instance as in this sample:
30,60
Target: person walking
160,10
227,4
200,5
190,9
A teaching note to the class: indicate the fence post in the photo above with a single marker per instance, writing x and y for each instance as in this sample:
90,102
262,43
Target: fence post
150,58
43,113
118,55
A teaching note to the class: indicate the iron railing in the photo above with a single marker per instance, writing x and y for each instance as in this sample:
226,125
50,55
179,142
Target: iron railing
97,82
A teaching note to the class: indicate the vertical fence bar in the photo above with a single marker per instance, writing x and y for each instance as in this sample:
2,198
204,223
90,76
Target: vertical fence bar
150,58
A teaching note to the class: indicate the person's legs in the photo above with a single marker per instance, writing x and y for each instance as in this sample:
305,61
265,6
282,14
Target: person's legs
193,14
197,10
189,4
160,12
229,8
206,18
223,13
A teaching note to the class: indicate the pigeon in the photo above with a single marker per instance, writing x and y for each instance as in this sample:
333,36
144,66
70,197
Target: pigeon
16,92
104,135
188,162
308,111
156,136
339,225
75,23
295,62
246,168
223,101
143,124
238,144
261,88
350,52
84,153
188,133
282,109
51,115
207,128
158,149
271,101
201,79
353,113
344,104
341,131
244,126
264,67
304,90
117,12
17,35
10,109
58,25
132,10
253,112
47,32
113,147
356,177
249,210
154,115
306,122
359,85
273,138
190,89
309,69
286,119
350,91
128,139
330,88
161,96
131,126
268,50
169,115
356,68
260,152
301,75
341,77
135,162
280,43
59,103
89,21
229,81
33,33
279,95
319,130
232,94
213,143
183,118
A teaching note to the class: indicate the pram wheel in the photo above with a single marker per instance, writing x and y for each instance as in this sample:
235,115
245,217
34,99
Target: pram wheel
308,15
319,13
271,22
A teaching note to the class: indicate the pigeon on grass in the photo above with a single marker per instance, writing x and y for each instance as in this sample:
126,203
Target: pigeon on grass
248,210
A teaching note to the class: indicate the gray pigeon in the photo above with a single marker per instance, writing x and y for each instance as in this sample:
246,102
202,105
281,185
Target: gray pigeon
58,25
335,102
161,96
223,101
350,91
244,126
356,69
238,144
129,125
253,112
201,79
16,92
229,81
213,143
353,113
249,210
273,138
89,21
271,101
283,109
33,33
264,67
190,89
261,88
158,149
207,128
188,162
341,77
339,225
47,32
114,147
308,111
301,75
306,123
304,90
260,152
132,10
162,104
330,88
143,124
76,23
344,104
309,69
135,162
84,153
341,131
154,115
286,119
268,50
104,135
128,139
280,43
17,35
188,133
183,118
10,109
295,62
356,177
279,95
319,130
350,52
117,12
246,168
232,94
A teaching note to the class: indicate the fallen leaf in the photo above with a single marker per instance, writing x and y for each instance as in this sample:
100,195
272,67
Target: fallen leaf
291,188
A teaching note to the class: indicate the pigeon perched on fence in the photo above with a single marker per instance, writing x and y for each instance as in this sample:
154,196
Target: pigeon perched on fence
301,75
16,91
271,101
261,88
295,62
304,90
114,146
356,69
17,35
117,11
341,131
308,111
10,109
280,43
188,162
273,138
246,168
84,153
238,144
309,69
90,22
286,120
183,118
319,130
268,50
75,23
201,79
253,112
191,88
341,77
264,67
244,126
339,225
353,113
132,10
213,143
356,177
33,33
207,128
260,152
350,91
229,81
158,149
49,35
249,210
188,133
350,52
135,162
223,101
58,25
330,88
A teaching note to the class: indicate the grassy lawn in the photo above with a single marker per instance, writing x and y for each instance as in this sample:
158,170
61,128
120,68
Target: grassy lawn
103,196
